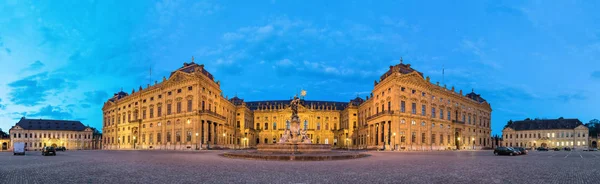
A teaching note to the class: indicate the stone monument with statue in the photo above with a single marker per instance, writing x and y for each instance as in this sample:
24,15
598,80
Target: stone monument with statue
294,138
295,144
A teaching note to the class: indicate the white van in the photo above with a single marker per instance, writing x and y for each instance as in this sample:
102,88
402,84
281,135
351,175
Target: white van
19,148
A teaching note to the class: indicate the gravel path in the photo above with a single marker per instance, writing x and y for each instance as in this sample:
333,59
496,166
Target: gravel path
380,167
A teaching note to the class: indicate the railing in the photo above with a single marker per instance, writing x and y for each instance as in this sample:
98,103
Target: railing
380,114
211,113
459,122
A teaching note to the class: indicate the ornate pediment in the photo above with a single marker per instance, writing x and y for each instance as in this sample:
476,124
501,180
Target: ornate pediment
413,78
178,77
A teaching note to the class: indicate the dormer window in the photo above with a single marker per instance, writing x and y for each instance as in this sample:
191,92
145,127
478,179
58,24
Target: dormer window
169,93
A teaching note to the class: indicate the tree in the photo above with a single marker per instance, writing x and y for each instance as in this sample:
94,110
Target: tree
3,134
510,122
593,127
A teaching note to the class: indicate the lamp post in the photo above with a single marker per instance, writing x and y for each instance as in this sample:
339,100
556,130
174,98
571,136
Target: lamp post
197,140
347,146
134,141
394,138
473,139
224,137
368,141
458,144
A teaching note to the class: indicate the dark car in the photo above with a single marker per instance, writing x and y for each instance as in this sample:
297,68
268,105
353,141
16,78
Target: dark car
60,148
556,149
48,151
567,149
522,151
505,151
542,149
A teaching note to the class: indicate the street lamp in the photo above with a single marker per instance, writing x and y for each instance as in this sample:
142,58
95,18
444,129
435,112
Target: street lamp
134,142
197,142
119,143
394,137
473,139
458,144
368,141
347,146
224,140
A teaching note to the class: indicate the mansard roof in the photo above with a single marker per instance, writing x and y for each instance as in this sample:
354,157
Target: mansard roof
236,101
545,124
357,101
402,68
118,96
193,67
306,103
475,96
48,124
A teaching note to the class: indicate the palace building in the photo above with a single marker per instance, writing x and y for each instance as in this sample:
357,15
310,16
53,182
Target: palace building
404,112
547,133
37,133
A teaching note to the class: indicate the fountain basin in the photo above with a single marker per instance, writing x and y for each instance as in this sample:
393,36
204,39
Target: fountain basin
319,156
293,148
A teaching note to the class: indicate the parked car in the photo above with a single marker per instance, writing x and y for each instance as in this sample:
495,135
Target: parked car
60,148
594,149
19,148
48,151
522,151
505,151
542,149
556,149
567,149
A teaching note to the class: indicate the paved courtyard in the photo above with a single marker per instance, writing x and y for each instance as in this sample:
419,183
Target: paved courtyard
381,167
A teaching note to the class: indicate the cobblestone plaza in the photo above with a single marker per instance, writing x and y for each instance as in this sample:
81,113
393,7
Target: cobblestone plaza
380,167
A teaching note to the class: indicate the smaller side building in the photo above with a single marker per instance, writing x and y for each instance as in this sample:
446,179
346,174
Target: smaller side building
4,141
548,133
37,133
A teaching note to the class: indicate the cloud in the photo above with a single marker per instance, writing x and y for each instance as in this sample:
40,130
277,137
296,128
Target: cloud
284,63
53,112
571,97
596,75
8,51
35,65
2,106
478,49
232,36
95,97
32,90
400,23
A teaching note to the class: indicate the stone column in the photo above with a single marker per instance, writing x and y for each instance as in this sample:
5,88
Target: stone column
208,132
389,134
215,132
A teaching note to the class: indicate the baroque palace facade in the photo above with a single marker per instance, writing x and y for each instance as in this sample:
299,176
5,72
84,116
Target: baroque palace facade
547,133
404,112
38,133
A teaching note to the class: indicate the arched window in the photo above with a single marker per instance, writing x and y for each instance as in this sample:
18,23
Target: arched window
168,136
305,124
274,126
287,124
318,126
326,126
189,136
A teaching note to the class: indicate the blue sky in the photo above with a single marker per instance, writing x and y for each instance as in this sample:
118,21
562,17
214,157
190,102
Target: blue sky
62,59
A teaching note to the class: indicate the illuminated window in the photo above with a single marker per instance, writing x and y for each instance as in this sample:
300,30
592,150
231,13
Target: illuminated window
552,134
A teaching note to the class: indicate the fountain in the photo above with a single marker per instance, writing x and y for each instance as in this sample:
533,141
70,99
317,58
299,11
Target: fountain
295,144
294,140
